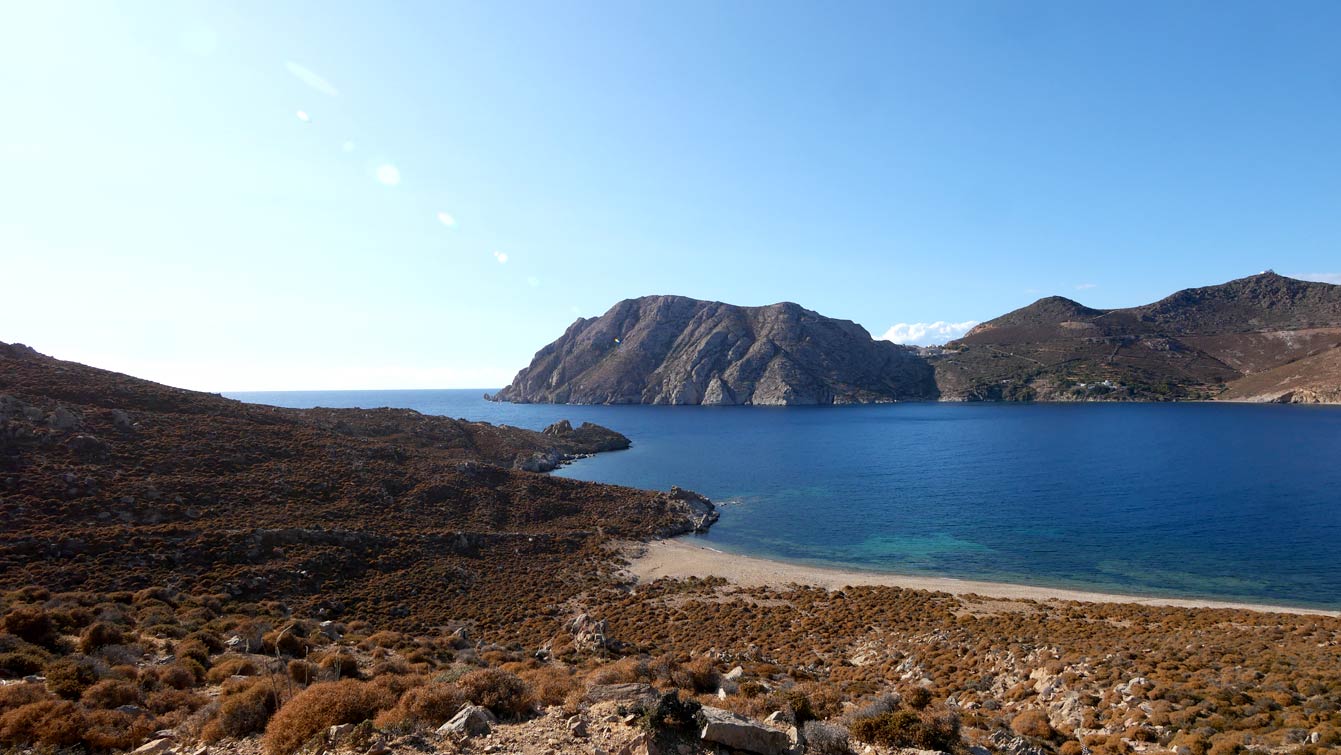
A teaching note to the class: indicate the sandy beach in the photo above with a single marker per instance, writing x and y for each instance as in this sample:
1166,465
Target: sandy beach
686,558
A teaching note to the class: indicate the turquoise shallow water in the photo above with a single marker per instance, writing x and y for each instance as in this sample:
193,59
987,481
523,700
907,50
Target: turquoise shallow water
1197,500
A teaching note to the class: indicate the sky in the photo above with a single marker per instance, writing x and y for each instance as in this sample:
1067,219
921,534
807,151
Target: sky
323,195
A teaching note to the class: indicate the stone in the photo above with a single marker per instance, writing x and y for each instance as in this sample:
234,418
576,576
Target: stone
338,732
737,732
154,747
378,747
63,419
577,727
734,674
471,721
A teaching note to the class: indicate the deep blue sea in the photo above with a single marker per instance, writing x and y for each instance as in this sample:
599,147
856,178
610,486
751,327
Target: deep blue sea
1233,502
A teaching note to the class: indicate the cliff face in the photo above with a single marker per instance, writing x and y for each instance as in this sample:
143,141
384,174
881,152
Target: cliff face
1254,338
676,350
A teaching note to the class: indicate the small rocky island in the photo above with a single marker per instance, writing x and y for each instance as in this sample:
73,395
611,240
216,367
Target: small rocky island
677,350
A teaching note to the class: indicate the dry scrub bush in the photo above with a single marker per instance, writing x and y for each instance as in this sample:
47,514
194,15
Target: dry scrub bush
906,728
428,706
1032,723
550,685
69,677
826,739
99,635
503,693
320,707
302,672
245,709
622,671
57,723
31,624
114,730
338,665
230,666
111,693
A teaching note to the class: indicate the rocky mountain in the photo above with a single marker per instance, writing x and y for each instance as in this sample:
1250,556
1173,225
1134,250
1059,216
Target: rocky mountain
677,350
1255,338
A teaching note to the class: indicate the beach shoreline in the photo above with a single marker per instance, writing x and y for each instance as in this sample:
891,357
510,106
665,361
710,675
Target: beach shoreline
682,557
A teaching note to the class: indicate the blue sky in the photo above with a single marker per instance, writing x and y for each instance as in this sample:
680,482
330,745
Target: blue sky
246,195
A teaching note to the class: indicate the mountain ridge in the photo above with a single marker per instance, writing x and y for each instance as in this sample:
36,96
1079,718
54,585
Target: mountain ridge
1193,344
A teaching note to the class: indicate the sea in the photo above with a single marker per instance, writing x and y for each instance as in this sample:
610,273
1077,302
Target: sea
1198,500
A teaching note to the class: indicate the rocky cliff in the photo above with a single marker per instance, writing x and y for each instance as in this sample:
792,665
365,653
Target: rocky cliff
677,350
1255,338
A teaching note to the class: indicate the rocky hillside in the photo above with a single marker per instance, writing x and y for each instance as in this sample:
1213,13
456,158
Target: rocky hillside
1256,338
114,483
676,350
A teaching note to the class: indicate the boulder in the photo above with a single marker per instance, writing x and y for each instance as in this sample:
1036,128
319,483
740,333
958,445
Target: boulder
471,721
737,732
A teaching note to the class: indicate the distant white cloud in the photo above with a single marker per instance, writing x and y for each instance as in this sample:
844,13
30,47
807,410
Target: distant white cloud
1086,286
502,257
303,116
388,174
311,78
446,219
1320,277
927,333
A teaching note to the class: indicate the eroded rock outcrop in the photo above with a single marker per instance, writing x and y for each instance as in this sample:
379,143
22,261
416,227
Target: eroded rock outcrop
677,350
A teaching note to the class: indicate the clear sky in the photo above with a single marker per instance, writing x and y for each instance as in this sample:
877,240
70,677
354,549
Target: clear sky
247,195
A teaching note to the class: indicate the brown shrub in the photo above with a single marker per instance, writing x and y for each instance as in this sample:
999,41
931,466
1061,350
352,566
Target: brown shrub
339,665
1071,747
58,723
167,700
1032,723
245,711
69,677
27,660
113,730
286,641
550,685
302,672
31,624
17,695
99,635
428,706
319,707
195,650
110,693
179,675
228,666
916,698
503,693
621,671
383,640
906,728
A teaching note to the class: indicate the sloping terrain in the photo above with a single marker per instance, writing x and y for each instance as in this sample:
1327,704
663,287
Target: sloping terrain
1192,345
1314,379
113,483
676,350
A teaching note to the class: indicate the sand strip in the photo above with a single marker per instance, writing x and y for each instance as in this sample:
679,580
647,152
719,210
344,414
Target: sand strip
683,557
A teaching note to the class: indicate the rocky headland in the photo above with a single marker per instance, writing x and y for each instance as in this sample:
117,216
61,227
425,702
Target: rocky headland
676,350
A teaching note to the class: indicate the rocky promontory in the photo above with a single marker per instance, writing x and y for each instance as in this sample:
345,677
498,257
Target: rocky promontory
677,350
